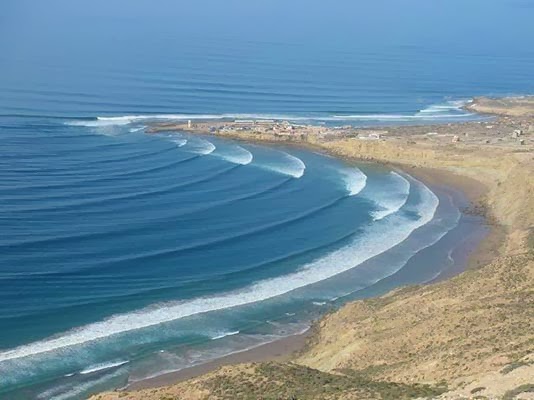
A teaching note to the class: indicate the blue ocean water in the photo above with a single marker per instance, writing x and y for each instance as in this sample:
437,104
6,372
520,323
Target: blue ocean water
125,255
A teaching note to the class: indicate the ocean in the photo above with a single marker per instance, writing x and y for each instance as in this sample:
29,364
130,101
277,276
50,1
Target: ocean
125,255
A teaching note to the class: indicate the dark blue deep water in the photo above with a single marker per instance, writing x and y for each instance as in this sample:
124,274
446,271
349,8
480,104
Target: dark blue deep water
125,255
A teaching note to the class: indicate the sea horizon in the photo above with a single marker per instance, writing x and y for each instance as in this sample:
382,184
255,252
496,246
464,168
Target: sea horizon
127,253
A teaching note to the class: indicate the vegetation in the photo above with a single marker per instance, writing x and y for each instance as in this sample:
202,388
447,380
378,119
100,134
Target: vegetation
291,381
516,364
530,241
511,394
477,389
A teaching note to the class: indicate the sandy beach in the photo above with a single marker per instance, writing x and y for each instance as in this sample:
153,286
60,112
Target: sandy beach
475,158
279,350
284,349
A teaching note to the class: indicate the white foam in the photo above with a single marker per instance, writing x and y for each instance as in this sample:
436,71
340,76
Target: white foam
180,142
355,180
101,367
202,358
225,334
392,200
203,147
399,117
137,129
290,165
97,123
434,111
448,110
379,237
77,391
437,274
50,393
235,154
449,256
129,119
452,105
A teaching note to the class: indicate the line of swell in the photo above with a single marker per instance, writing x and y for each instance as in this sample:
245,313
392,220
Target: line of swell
195,247
183,249
322,269
105,299
159,191
259,266
84,181
313,272
332,116
61,172
101,200
298,173
391,205
114,199
399,268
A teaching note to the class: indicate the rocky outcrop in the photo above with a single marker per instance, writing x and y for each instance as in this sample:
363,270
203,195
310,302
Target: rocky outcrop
507,106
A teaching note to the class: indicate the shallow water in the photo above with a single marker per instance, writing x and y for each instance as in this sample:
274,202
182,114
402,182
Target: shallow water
130,255
126,255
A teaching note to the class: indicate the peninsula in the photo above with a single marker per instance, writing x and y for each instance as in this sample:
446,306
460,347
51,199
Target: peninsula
471,336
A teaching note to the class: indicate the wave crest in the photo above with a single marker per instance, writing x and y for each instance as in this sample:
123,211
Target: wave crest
452,109
355,180
102,367
224,334
380,237
289,165
235,154
393,199
203,147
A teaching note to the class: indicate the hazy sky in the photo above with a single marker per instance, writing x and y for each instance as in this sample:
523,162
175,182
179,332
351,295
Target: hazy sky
459,47
502,26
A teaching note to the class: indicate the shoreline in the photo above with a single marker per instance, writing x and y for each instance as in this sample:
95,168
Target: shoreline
490,163
279,350
285,348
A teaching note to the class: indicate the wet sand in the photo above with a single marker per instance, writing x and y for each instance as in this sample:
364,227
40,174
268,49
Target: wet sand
279,350
484,249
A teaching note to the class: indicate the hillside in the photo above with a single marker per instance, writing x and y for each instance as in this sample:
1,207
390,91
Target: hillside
469,337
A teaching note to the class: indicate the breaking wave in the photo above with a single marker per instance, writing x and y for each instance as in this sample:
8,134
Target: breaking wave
451,109
180,142
225,334
393,198
202,146
80,390
447,107
378,238
289,165
355,180
235,154
133,130
102,367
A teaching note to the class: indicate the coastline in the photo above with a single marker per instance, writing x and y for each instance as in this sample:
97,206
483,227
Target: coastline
490,246
494,173
286,348
279,350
